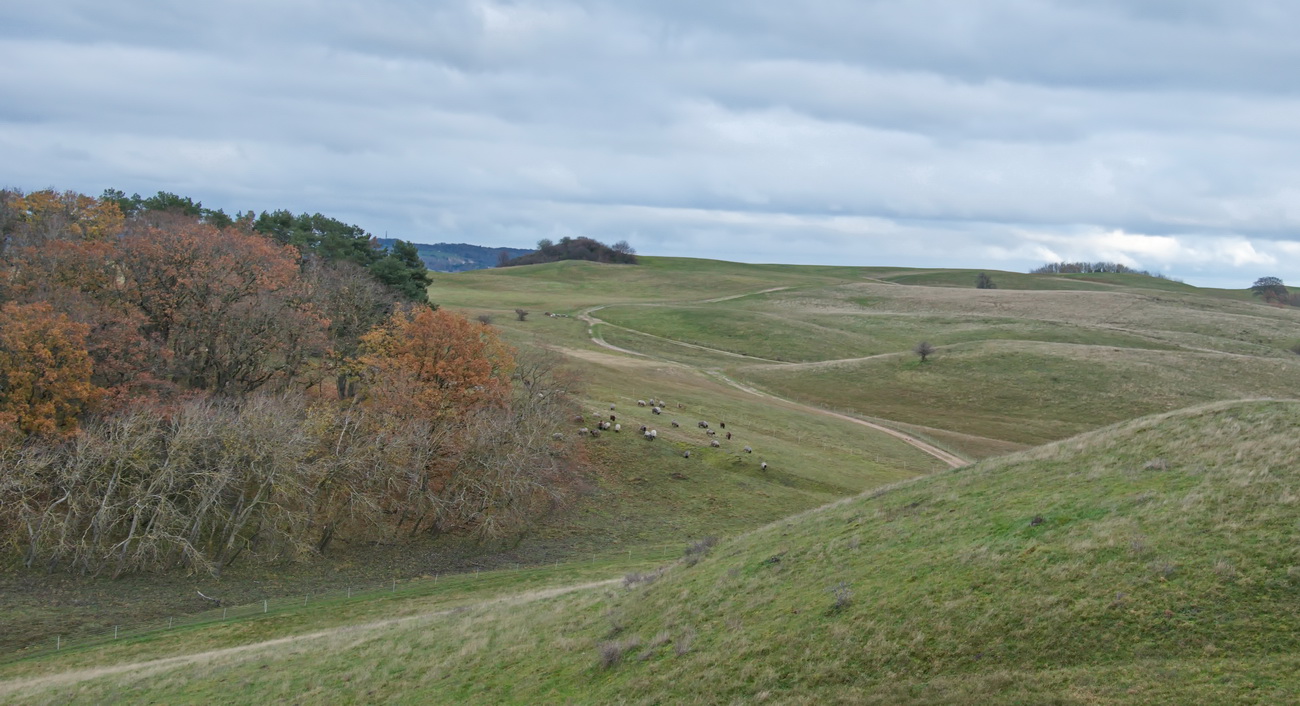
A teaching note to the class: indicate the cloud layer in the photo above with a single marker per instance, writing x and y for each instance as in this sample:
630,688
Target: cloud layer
998,135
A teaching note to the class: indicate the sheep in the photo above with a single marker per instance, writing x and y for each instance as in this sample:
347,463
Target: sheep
722,424
654,434
584,430
612,418
749,450
604,426
611,406
762,466
577,419
710,432
675,424
595,433
618,428
640,403
644,428
728,436
686,454
715,443
557,436
702,425
656,410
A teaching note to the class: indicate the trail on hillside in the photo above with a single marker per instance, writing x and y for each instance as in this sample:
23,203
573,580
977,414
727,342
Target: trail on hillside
61,679
953,460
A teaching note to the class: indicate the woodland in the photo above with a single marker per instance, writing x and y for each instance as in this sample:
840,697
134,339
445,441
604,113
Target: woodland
181,389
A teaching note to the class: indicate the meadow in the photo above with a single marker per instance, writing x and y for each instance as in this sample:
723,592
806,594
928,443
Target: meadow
858,566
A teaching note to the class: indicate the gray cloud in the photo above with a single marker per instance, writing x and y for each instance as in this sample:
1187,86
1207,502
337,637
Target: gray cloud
936,133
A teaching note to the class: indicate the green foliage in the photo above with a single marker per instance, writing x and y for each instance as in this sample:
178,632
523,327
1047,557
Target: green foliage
403,270
580,248
1269,288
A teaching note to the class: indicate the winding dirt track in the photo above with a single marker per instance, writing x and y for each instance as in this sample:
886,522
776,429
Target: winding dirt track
15,688
953,460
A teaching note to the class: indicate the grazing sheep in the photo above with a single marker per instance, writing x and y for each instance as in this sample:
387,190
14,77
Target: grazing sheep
577,419
612,418
640,403
584,430
715,443
686,454
722,424
762,466
604,426
656,410
702,425
644,428
728,436
557,436
710,432
611,406
675,424
595,433
748,450
654,433
618,427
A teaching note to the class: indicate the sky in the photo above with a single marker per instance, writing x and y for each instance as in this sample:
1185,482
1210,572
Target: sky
999,134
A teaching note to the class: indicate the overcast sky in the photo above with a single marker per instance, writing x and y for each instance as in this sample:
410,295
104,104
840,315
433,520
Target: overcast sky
1000,134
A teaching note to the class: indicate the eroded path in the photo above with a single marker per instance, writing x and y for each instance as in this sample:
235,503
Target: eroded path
18,688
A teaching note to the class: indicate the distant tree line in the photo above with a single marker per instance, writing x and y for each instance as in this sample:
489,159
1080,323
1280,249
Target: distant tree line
177,391
580,248
1072,268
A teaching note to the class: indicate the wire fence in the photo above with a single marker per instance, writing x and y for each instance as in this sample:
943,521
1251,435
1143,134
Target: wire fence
269,607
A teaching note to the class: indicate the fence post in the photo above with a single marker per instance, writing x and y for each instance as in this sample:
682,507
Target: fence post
169,623
263,605
349,591
115,627
58,642
223,613
394,585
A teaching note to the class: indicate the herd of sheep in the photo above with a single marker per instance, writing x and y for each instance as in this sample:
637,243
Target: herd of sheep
657,407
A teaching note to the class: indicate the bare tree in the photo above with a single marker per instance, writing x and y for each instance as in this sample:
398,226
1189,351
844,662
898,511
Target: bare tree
521,313
983,281
924,350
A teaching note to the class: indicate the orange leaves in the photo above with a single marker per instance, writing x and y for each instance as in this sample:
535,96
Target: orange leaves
50,214
44,370
436,362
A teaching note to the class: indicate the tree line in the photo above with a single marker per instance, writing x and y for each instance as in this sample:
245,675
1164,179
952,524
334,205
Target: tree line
182,390
581,248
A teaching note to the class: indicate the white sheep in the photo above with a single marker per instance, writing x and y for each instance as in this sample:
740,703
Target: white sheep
640,403
710,432
762,466
715,443
656,410
618,427
749,450
675,424
686,454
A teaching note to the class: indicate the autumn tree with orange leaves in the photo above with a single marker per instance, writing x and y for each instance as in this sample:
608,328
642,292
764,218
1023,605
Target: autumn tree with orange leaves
44,371
434,362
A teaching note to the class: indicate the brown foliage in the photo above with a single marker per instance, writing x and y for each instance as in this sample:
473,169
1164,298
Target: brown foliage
435,363
44,370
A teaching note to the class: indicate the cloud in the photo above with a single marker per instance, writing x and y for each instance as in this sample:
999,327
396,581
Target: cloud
934,133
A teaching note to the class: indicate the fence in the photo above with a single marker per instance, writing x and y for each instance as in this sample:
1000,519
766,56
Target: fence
268,607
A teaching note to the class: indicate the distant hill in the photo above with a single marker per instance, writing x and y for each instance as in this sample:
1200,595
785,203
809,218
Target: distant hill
457,257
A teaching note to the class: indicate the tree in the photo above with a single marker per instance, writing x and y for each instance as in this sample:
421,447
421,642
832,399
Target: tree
1270,289
521,314
435,362
623,248
983,281
503,258
924,350
404,271
44,370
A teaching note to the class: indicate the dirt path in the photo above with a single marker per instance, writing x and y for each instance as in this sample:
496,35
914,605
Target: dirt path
953,460
9,689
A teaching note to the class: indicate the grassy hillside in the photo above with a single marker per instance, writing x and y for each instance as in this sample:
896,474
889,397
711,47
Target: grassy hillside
1151,562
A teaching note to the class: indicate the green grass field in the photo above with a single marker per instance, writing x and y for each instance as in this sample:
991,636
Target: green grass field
926,571
1151,562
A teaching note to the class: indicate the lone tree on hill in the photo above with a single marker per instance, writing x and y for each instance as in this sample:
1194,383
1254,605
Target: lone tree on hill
924,349
1270,288
983,281
521,313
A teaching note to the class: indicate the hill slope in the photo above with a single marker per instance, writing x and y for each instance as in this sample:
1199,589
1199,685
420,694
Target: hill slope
457,257
1152,561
